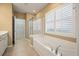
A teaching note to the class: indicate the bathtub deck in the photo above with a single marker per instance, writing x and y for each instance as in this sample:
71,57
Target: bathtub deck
67,48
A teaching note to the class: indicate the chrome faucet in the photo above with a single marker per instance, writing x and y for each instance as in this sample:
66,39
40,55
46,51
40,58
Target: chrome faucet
57,50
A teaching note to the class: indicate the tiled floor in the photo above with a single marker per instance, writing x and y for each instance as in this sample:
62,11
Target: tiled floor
21,48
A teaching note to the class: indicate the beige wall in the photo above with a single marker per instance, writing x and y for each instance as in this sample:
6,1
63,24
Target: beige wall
19,15
6,19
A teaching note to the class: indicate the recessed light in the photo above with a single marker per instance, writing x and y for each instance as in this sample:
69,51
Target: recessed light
34,11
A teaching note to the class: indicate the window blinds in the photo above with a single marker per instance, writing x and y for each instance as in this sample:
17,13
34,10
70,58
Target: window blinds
64,19
60,20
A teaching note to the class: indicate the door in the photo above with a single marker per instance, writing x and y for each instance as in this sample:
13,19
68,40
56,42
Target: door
19,29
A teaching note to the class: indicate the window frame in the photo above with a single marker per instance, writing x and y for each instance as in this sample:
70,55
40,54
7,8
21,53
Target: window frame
61,33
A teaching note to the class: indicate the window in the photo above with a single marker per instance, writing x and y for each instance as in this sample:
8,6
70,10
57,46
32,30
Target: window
60,21
36,26
49,20
64,19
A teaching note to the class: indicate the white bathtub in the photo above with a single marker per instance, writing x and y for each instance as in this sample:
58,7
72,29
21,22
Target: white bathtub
44,44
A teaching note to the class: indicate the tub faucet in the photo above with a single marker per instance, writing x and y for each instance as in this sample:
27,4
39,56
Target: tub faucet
57,50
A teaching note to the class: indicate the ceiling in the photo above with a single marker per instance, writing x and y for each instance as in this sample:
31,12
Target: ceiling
28,7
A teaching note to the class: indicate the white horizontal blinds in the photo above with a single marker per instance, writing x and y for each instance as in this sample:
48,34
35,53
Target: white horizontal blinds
49,21
64,21
36,26
68,18
60,21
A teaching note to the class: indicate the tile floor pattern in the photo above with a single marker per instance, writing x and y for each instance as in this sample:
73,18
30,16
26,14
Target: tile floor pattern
21,48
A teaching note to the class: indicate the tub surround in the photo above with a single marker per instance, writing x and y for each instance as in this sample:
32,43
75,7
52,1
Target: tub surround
45,45
62,37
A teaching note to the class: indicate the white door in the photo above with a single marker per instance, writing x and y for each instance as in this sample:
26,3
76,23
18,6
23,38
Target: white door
19,29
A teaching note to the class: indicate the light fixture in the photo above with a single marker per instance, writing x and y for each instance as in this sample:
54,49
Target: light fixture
34,11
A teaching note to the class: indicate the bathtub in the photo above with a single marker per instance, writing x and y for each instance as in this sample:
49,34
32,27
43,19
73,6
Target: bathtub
46,45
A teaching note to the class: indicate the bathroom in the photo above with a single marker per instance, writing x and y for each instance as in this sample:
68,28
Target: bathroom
39,29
